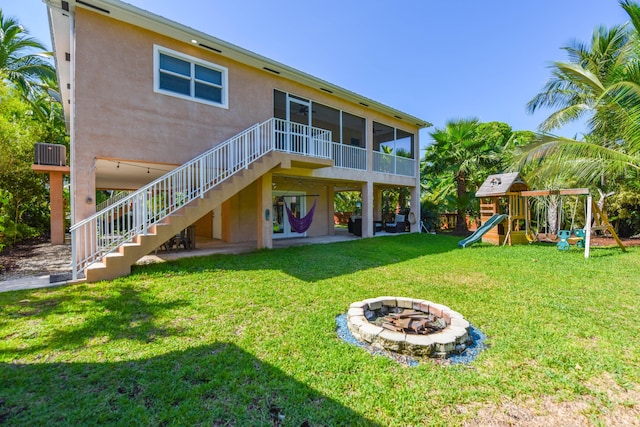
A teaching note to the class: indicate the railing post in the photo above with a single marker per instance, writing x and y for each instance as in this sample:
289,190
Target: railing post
245,157
144,213
288,133
201,185
74,253
273,134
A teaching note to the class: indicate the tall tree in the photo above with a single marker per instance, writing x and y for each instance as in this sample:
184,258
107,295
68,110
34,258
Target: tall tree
601,82
580,87
461,155
29,112
24,209
24,61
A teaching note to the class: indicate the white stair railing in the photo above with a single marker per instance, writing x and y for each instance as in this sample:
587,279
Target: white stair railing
106,230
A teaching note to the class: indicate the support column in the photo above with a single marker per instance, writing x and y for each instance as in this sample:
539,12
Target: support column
415,208
367,209
415,191
377,204
264,212
56,199
330,210
225,220
588,220
85,191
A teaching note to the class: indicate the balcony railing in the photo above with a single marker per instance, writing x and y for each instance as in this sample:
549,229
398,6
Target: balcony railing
349,157
388,163
297,138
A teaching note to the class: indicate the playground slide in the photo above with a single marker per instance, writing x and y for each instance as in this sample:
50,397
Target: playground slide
477,235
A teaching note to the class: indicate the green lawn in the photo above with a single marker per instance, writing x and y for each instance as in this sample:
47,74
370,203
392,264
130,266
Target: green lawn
250,339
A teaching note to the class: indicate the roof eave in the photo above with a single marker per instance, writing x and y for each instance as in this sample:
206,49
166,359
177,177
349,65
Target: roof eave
150,21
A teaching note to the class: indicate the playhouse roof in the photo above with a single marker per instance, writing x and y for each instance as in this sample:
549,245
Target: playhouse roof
501,184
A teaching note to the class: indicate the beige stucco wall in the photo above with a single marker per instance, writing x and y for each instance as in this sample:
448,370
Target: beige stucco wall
119,116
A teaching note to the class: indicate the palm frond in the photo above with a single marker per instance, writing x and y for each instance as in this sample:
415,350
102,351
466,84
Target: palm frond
563,116
585,161
633,10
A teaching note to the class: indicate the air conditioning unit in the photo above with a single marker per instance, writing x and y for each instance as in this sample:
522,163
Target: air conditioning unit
50,154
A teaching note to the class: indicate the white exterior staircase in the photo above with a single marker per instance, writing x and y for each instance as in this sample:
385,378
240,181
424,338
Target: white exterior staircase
105,245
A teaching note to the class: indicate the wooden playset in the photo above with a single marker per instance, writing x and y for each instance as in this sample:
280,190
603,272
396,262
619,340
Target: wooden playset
506,197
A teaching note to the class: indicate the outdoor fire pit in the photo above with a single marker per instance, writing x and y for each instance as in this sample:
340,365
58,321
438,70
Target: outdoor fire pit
409,326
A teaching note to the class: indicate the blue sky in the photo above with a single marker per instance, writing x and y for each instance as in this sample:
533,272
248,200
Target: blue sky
437,60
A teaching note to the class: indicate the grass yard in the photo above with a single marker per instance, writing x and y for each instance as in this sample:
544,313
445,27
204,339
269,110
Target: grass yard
250,340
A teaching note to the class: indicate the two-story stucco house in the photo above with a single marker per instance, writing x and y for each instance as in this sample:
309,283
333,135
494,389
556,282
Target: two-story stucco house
198,131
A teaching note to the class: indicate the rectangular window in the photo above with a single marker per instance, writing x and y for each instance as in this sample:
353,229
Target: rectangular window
390,140
328,118
353,130
186,77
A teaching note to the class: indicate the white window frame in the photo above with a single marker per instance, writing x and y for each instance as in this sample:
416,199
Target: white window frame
157,50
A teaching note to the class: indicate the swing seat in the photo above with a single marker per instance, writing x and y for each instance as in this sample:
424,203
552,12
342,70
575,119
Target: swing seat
580,235
531,237
548,238
563,244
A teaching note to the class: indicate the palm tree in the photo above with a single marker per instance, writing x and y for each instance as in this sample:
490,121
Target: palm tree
581,86
23,60
457,153
601,80
46,103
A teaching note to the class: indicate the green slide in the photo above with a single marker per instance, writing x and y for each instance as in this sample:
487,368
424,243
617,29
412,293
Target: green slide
477,235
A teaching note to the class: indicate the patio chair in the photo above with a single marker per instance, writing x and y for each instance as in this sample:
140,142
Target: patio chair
186,238
397,226
355,226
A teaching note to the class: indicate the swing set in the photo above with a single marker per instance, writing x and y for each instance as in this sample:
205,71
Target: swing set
507,197
595,219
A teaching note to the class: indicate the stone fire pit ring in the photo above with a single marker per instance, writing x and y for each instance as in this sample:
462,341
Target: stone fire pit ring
452,339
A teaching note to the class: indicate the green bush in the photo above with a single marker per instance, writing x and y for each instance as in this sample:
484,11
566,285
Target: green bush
24,203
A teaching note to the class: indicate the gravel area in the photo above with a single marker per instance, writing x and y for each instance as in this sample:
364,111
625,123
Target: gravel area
36,257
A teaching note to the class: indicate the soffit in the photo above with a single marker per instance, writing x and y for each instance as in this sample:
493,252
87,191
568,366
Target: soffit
114,174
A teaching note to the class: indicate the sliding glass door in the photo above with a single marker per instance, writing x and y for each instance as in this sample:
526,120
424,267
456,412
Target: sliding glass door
297,205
